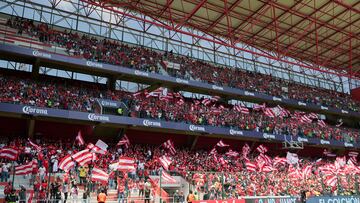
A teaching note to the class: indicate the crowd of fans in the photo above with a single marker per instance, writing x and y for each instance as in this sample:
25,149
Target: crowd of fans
81,96
216,179
114,52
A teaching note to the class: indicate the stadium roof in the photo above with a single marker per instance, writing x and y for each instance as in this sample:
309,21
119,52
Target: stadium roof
321,32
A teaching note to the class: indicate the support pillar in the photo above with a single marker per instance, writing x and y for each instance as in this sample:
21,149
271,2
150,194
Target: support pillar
31,128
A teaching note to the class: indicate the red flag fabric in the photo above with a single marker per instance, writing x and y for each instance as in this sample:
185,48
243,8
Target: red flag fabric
222,144
37,147
269,112
99,175
232,153
83,157
124,164
167,177
353,154
79,139
261,149
66,163
26,168
9,153
169,145
331,180
258,107
322,123
124,141
165,162
251,167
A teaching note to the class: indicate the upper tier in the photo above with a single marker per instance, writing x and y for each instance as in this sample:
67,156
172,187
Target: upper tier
189,73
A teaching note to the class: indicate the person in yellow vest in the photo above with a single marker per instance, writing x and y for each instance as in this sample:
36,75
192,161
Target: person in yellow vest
82,175
190,197
101,198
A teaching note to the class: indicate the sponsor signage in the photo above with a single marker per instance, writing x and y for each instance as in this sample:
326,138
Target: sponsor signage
34,110
249,93
301,103
197,128
141,73
96,117
94,64
272,200
276,99
151,123
327,142
324,108
346,144
38,53
181,81
215,87
334,199
268,136
302,139
235,132
109,103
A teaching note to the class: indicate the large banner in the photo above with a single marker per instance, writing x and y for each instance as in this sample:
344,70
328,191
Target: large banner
334,199
221,201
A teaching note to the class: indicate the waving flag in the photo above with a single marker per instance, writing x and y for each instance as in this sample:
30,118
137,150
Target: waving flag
37,147
84,157
261,149
250,167
167,177
213,151
307,171
278,160
313,116
26,168
124,141
169,145
269,112
292,158
353,154
245,150
232,153
241,109
79,139
322,123
123,164
305,119
206,101
99,175
66,163
258,107
331,180
222,144
165,162
9,153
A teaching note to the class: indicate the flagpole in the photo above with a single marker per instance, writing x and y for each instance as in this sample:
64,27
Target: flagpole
13,178
160,200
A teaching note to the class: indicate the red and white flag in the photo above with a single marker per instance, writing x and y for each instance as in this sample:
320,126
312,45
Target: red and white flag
99,175
305,119
26,168
250,167
222,161
213,151
123,164
124,141
269,112
37,147
232,153
9,153
79,139
331,180
222,144
278,160
262,149
307,171
245,150
66,164
215,98
169,145
313,116
328,153
165,162
206,101
167,177
353,154
84,157
322,123
267,169
241,109
258,107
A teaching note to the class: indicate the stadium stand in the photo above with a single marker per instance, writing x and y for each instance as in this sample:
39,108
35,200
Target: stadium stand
121,162
81,97
113,52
